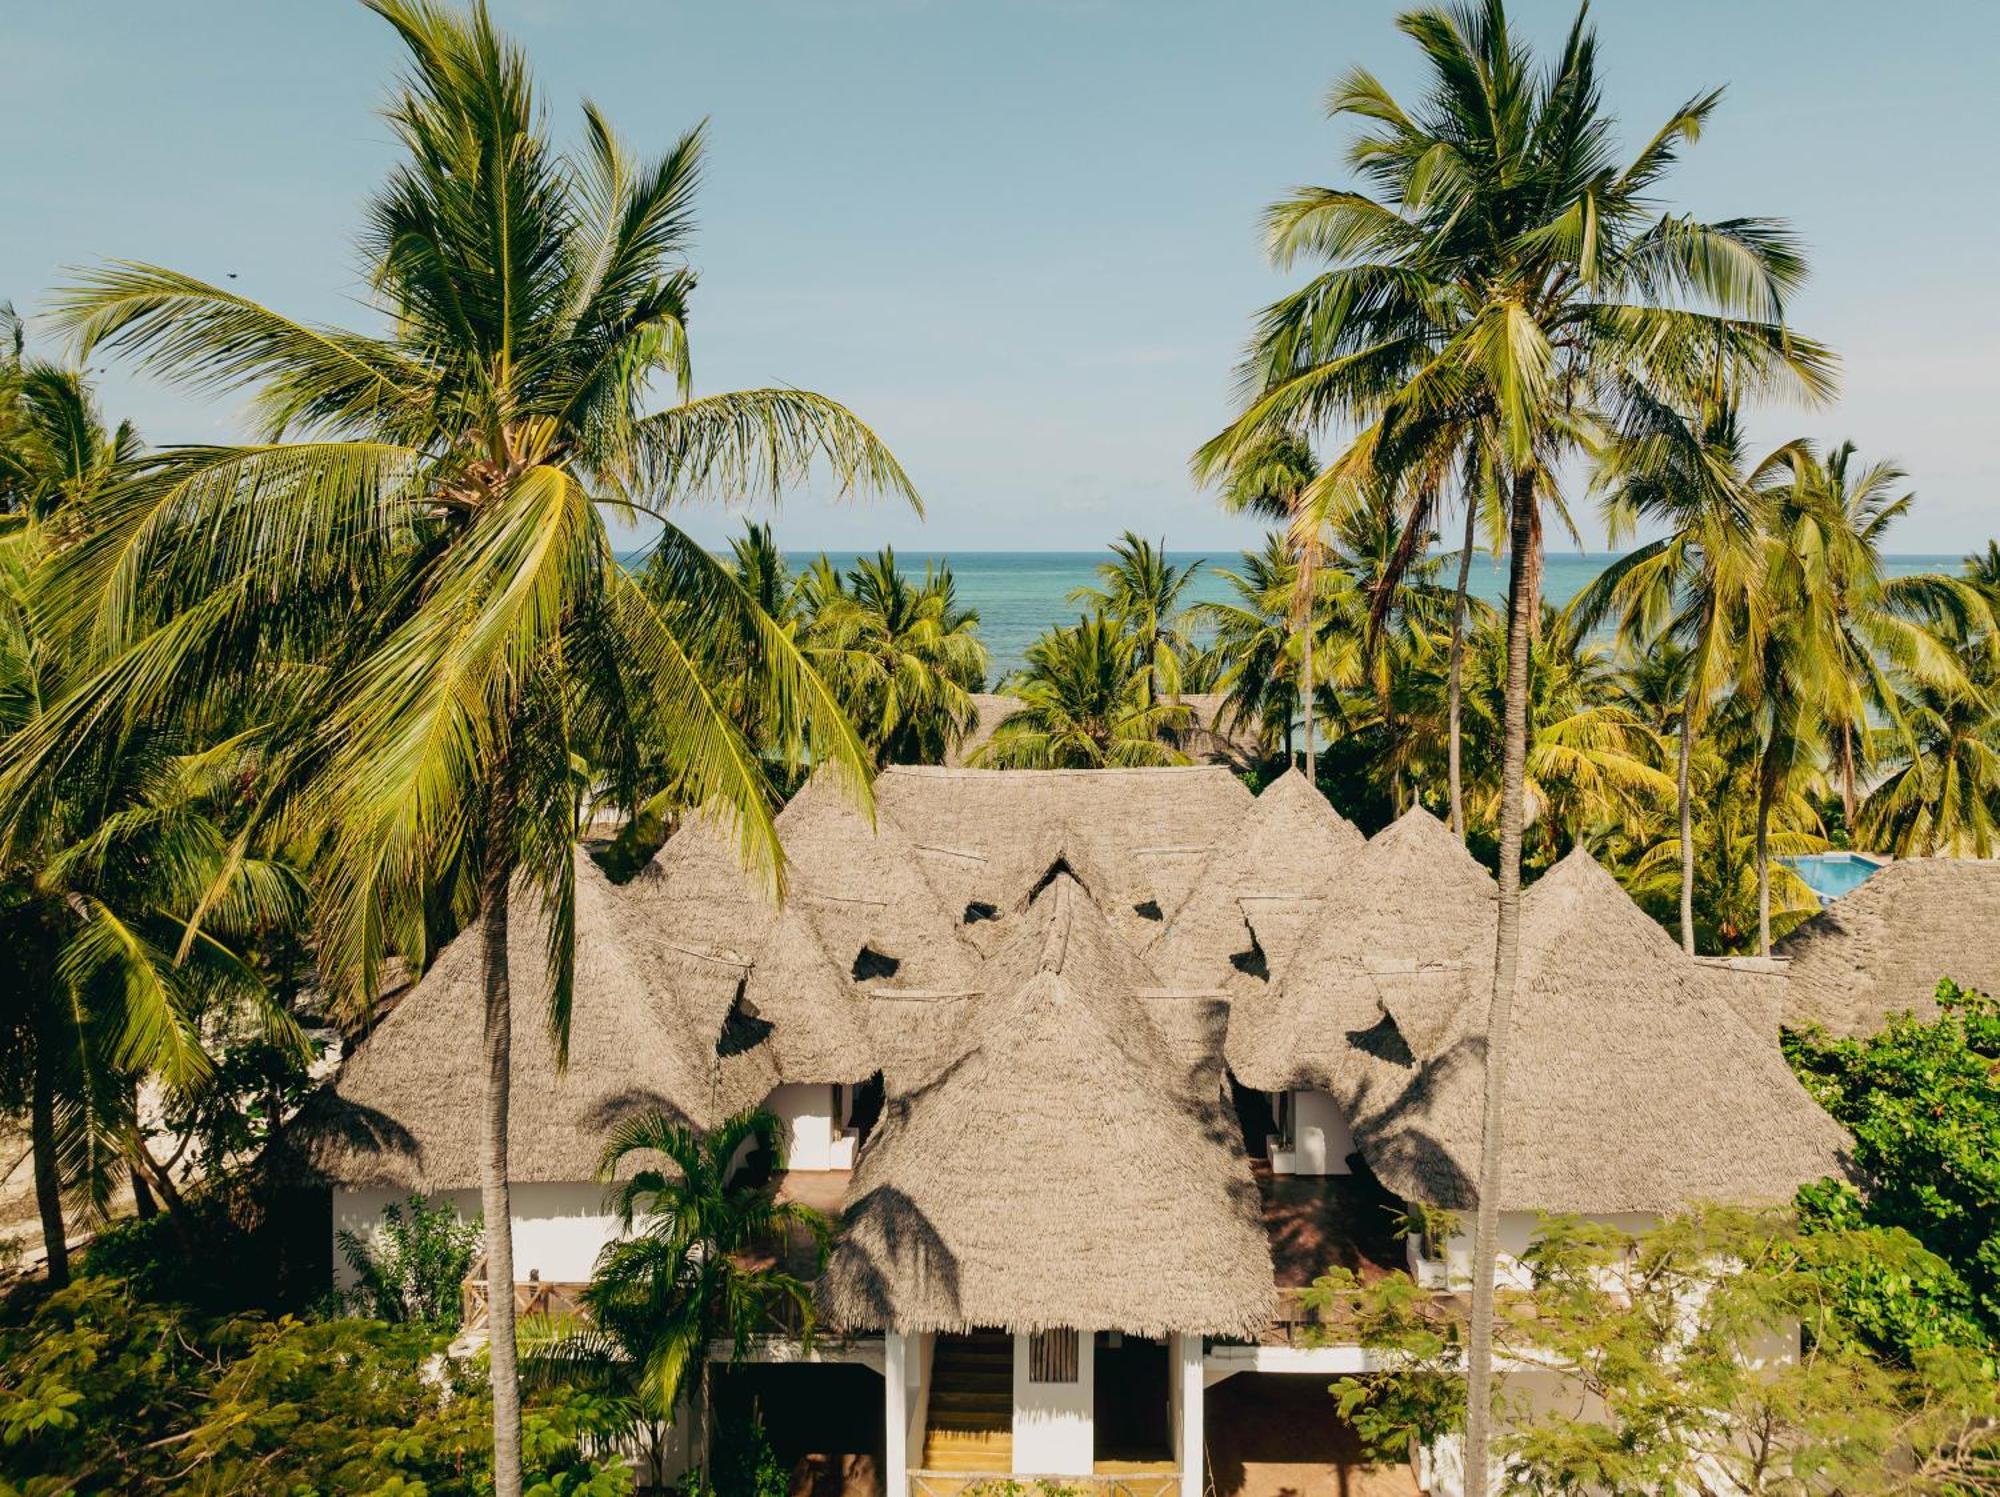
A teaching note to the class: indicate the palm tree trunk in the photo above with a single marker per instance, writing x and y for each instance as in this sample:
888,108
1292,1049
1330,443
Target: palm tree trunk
494,1195
48,1187
1764,863
1847,777
1522,605
1683,757
1453,692
1306,681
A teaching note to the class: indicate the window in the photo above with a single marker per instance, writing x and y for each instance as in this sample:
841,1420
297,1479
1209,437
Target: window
1052,1357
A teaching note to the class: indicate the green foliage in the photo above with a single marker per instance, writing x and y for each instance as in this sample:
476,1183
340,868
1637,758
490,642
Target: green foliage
1089,701
230,1248
1922,1099
412,1269
744,1464
1713,1352
105,1392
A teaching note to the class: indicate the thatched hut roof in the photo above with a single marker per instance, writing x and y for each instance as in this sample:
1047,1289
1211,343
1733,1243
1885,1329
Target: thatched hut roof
1263,886
1633,1083
405,1110
964,1210
1880,949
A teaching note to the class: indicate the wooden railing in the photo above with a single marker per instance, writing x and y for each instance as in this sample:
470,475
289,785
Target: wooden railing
1008,1484
531,1297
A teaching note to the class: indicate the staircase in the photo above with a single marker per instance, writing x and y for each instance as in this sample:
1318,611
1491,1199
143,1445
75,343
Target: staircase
971,1425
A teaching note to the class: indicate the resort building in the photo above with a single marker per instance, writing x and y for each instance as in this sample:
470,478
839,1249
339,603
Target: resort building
1098,1069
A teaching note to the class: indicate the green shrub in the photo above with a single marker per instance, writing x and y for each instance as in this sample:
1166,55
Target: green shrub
412,1269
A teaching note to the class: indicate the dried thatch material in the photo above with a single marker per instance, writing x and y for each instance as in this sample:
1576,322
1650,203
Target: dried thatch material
990,709
862,888
1633,1084
1412,895
964,1210
1880,949
406,1109
1264,885
1756,987
1141,835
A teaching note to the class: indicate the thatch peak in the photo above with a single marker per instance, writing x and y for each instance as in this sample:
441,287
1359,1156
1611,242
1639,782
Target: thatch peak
1579,894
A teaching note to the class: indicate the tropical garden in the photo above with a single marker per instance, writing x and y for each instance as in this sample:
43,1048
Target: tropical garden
280,717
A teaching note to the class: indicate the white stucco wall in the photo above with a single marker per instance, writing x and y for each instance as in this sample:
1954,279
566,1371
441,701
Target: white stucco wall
1054,1425
1517,1231
558,1228
813,1134
1321,1139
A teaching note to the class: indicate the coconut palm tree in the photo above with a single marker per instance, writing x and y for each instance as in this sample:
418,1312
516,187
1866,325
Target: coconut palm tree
705,1257
1087,702
1145,594
1269,480
1697,586
55,450
1498,283
1945,796
415,565
1260,641
902,654
1884,628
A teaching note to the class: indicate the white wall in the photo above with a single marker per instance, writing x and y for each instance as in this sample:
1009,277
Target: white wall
1321,1140
1054,1425
558,1228
1517,1231
814,1138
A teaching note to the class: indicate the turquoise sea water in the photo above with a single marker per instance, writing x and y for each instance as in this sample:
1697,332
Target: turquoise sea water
1021,593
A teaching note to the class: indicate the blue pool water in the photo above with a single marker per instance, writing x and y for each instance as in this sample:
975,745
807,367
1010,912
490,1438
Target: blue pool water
1832,874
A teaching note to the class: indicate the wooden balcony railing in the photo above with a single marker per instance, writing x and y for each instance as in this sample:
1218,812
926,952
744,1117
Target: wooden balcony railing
531,1297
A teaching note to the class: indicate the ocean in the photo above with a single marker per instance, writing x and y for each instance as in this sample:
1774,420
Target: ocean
1018,594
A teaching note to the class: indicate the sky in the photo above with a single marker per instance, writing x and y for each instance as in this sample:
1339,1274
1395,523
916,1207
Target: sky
1019,237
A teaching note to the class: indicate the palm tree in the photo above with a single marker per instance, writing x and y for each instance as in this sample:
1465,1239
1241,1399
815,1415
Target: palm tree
1087,702
55,450
705,1256
1498,284
1945,797
1269,480
1696,587
901,654
1259,637
418,554
1144,593
1880,624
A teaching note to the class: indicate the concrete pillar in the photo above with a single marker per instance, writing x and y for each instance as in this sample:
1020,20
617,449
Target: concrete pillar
895,1415
1190,1404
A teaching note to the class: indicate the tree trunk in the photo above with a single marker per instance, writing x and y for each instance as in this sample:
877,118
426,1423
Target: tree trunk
1453,691
1522,606
1306,681
42,1139
494,1194
1847,777
144,1204
1764,864
1684,756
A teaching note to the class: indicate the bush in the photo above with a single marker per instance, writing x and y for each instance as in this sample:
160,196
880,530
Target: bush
103,1392
744,1465
412,1269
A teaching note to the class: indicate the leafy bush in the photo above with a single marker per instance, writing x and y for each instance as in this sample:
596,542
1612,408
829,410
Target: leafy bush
411,1270
103,1392
1922,1099
744,1464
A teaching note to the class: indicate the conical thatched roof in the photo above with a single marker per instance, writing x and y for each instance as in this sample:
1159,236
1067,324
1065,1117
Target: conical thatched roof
1880,949
1411,896
1633,1083
1265,884
965,1207
405,1111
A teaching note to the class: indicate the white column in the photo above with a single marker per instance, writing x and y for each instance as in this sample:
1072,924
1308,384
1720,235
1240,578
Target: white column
895,1415
1191,1401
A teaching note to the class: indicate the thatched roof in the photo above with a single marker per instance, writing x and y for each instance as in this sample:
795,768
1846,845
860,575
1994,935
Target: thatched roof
964,1210
406,1109
1633,1083
1880,949
1261,888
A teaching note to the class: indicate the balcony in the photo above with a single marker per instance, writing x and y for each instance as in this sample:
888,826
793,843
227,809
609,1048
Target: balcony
1149,1483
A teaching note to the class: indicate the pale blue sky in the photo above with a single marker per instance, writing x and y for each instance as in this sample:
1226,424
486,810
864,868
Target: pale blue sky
1019,236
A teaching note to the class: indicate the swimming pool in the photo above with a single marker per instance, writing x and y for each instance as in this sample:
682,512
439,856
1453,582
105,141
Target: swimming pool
1832,874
